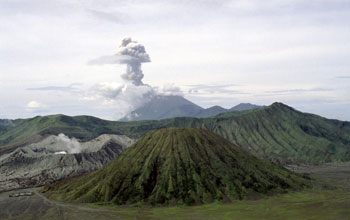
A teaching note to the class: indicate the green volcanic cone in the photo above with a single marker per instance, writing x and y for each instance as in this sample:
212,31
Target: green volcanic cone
176,165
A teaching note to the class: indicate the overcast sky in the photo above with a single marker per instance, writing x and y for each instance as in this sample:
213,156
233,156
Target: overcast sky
216,52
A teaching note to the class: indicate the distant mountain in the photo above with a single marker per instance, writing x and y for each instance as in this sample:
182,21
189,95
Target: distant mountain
215,110
244,106
162,107
179,166
276,132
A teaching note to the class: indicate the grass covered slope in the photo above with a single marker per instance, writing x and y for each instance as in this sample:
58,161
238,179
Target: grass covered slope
281,133
174,165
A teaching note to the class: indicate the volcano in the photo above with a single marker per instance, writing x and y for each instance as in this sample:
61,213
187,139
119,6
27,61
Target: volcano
179,166
170,106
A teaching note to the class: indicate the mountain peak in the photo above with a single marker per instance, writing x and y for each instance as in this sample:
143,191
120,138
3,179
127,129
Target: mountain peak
244,106
281,105
215,107
164,106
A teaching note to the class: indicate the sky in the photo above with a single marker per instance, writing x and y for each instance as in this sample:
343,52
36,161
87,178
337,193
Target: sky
212,52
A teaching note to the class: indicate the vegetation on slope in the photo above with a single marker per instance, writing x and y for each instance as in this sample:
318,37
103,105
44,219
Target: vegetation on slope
177,165
276,132
286,135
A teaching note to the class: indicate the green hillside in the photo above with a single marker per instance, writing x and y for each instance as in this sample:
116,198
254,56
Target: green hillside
276,132
177,165
283,134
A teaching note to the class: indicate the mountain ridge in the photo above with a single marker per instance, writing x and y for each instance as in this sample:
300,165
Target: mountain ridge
162,107
276,132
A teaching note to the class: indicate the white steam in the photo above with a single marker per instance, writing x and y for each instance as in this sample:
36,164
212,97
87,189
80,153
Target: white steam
125,97
61,152
68,145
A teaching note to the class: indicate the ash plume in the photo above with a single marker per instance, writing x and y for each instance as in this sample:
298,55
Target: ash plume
133,93
131,53
138,54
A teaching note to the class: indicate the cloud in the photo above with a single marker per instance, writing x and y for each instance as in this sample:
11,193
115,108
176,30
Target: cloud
295,91
127,97
214,88
285,5
123,97
170,89
69,88
342,77
112,17
35,105
110,59
211,86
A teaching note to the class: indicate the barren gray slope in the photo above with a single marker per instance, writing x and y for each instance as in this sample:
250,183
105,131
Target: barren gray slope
37,164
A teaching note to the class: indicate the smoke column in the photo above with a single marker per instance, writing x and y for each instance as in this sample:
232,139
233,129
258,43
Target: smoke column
131,53
138,55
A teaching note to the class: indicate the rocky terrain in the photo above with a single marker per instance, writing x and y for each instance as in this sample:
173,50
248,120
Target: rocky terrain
57,157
